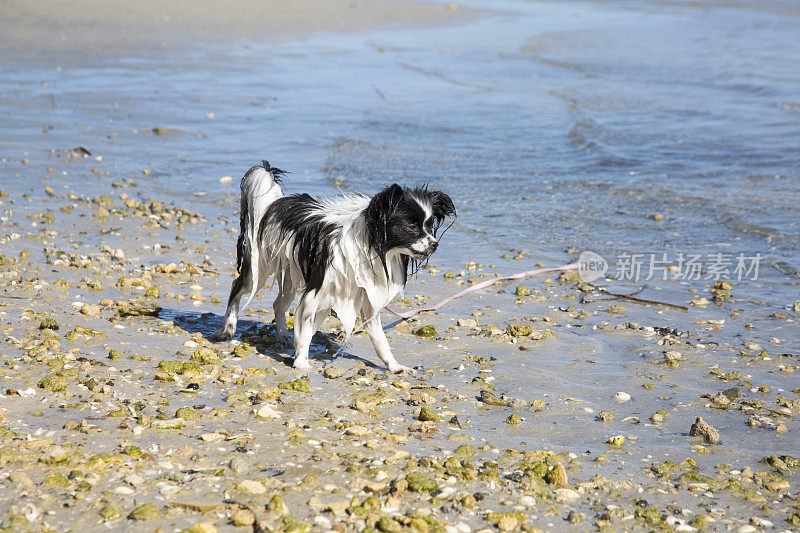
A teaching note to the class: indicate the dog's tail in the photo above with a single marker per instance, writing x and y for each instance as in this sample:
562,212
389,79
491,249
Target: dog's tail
260,187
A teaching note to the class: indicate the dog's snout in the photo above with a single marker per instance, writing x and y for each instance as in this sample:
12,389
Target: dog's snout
433,246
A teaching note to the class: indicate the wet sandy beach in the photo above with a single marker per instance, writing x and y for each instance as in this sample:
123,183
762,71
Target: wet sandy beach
538,405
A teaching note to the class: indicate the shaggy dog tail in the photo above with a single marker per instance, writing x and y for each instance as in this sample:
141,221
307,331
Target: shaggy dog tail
260,187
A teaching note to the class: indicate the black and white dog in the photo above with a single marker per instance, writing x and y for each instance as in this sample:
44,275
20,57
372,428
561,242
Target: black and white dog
350,254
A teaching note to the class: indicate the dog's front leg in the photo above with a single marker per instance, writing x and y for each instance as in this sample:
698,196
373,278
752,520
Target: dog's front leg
304,328
374,329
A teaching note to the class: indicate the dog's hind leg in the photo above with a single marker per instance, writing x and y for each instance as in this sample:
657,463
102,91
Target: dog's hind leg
241,286
305,322
281,305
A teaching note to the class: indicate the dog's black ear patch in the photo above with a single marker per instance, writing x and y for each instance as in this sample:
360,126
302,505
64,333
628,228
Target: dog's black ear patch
442,206
377,215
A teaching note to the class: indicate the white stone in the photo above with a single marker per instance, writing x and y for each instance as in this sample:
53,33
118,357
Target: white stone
265,411
622,397
566,495
357,431
253,487
322,521
134,480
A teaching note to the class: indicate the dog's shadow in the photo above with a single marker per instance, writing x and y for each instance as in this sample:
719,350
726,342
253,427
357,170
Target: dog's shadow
325,347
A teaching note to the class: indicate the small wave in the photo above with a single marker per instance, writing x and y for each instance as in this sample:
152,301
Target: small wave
785,268
737,224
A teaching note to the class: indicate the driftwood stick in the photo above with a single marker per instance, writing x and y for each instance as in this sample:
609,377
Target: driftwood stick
631,298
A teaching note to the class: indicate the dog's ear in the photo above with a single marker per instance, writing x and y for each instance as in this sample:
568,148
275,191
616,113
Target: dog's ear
442,206
385,202
377,215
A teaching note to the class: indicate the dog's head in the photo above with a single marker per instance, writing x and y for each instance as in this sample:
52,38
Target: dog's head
407,220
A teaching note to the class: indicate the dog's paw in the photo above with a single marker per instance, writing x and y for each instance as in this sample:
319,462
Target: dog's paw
286,339
301,364
397,368
224,334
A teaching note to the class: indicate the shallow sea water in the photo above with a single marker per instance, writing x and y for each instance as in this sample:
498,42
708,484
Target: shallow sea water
552,125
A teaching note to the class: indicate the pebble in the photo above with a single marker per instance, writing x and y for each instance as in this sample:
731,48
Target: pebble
557,476
239,464
605,416
55,455
507,523
225,180
266,412
357,431
574,517
427,415
332,372
172,423
567,495
212,437
134,480
425,331
622,397
22,479
251,486
244,518
519,330
147,511
109,511
338,508
467,323
703,429
90,310
322,521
